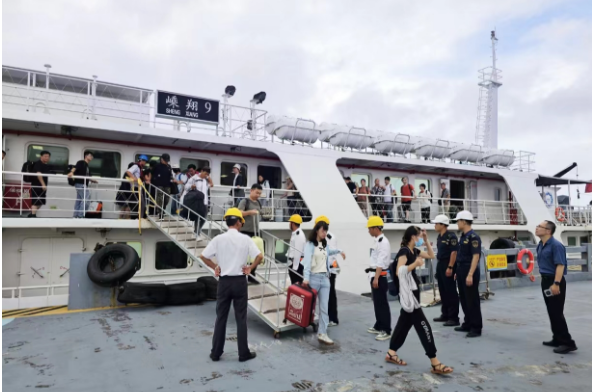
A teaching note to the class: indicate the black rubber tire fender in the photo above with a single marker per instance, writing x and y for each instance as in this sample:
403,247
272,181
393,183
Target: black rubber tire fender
186,293
98,270
211,284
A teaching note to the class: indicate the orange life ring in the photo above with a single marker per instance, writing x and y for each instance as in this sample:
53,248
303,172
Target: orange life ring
560,214
530,261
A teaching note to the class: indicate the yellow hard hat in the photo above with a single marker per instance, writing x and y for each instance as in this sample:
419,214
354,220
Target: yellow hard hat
322,218
296,219
234,212
375,221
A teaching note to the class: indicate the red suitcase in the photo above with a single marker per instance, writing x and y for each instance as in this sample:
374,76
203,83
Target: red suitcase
300,306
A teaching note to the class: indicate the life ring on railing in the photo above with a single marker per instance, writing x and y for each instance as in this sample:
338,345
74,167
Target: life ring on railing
530,261
560,214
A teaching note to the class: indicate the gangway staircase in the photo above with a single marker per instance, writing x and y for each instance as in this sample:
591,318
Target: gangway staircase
266,299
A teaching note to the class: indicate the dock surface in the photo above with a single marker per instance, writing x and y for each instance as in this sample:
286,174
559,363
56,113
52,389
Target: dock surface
167,349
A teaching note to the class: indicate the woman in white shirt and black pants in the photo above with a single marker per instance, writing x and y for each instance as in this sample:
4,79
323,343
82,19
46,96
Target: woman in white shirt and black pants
317,270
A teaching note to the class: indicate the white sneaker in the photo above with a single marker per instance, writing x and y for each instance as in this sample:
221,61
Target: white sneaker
374,331
324,338
383,336
332,324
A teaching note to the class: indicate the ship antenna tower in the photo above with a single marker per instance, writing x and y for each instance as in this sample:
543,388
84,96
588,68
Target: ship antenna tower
489,82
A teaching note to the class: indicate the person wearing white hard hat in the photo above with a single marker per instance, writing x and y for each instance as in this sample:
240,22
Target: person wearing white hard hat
468,275
445,269
237,192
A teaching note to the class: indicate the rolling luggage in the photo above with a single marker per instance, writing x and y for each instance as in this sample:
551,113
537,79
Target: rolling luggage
300,306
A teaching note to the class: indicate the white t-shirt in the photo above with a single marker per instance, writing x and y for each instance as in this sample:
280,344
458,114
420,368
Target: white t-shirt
136,172
183,178
381,253
297,242
388,191
201,184
424,199
232,250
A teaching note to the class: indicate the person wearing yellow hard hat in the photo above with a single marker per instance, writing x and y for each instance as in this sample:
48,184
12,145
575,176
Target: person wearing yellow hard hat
231,250
380,261
317,271
296,250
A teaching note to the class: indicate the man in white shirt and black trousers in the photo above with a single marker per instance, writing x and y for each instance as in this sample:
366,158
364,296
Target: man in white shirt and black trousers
380,261
232,249
296,250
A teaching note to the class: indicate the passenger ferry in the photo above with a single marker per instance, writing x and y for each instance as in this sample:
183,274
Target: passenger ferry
69,115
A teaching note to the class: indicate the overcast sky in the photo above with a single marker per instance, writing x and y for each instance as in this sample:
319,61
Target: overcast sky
388,65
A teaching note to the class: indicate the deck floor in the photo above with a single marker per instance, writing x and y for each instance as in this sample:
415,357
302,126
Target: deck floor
167,348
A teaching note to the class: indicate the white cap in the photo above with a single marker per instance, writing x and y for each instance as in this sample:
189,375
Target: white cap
237,166
464,215
443,219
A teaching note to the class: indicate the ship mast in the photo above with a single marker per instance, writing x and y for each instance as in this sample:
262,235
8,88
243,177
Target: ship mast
489,82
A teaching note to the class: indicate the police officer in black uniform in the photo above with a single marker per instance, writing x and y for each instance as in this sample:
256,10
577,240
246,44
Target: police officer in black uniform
445,270
468,274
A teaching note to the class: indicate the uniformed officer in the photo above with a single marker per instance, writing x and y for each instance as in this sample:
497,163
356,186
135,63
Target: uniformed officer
334,270
296,251
380,260
232,249
468,274
445,270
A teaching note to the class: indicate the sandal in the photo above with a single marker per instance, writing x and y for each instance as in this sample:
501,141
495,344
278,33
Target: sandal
395,359
441,369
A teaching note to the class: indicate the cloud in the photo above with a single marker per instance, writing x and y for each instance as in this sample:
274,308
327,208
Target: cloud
389,65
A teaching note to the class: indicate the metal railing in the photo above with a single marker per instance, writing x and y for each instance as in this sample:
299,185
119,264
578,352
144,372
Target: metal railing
423,210
572,215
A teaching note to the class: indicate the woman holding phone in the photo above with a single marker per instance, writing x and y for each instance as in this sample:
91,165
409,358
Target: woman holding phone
408,259
317,270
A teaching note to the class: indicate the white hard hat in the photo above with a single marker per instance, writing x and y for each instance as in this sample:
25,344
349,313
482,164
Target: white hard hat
464,215
443,219
237,166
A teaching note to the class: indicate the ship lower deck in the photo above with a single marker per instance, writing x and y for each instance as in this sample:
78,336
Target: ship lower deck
167,348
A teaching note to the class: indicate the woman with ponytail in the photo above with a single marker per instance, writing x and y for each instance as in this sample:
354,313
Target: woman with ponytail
407,260
317,270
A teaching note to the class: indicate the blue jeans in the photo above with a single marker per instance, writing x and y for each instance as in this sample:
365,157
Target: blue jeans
175,204
82,200
321,283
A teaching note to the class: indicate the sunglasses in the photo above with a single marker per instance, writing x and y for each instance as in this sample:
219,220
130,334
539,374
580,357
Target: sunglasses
543,227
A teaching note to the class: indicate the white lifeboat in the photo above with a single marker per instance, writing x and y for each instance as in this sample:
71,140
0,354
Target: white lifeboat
498,157
467,153
398,143
433,148
347,136
292,129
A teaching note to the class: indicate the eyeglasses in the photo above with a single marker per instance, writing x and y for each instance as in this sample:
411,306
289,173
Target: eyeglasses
543,227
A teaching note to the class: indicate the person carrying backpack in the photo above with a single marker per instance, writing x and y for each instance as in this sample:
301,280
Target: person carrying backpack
425,203
251,209
81,184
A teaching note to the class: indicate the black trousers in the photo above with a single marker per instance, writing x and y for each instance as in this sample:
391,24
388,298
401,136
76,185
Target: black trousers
469,298
333,300
294,278
382,309
447,288
555,306
425,215
231,289
418,320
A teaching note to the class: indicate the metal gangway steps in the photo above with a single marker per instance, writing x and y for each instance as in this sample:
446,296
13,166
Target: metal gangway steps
266,299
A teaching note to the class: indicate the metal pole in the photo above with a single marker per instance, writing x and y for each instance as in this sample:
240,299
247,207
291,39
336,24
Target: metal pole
569,216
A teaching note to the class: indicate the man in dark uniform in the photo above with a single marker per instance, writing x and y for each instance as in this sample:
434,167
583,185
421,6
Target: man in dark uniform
445,270
468,274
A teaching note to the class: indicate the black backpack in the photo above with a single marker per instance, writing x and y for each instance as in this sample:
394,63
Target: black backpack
28,168
71,181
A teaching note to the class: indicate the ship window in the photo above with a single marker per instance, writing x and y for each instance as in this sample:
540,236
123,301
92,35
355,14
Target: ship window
227,177
14,76
119,93
58,162
39,80
357,179
583,240
169,256
571,241
199,163
281,250
153,160
497,194
272,174
134,244
425,181
105,163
